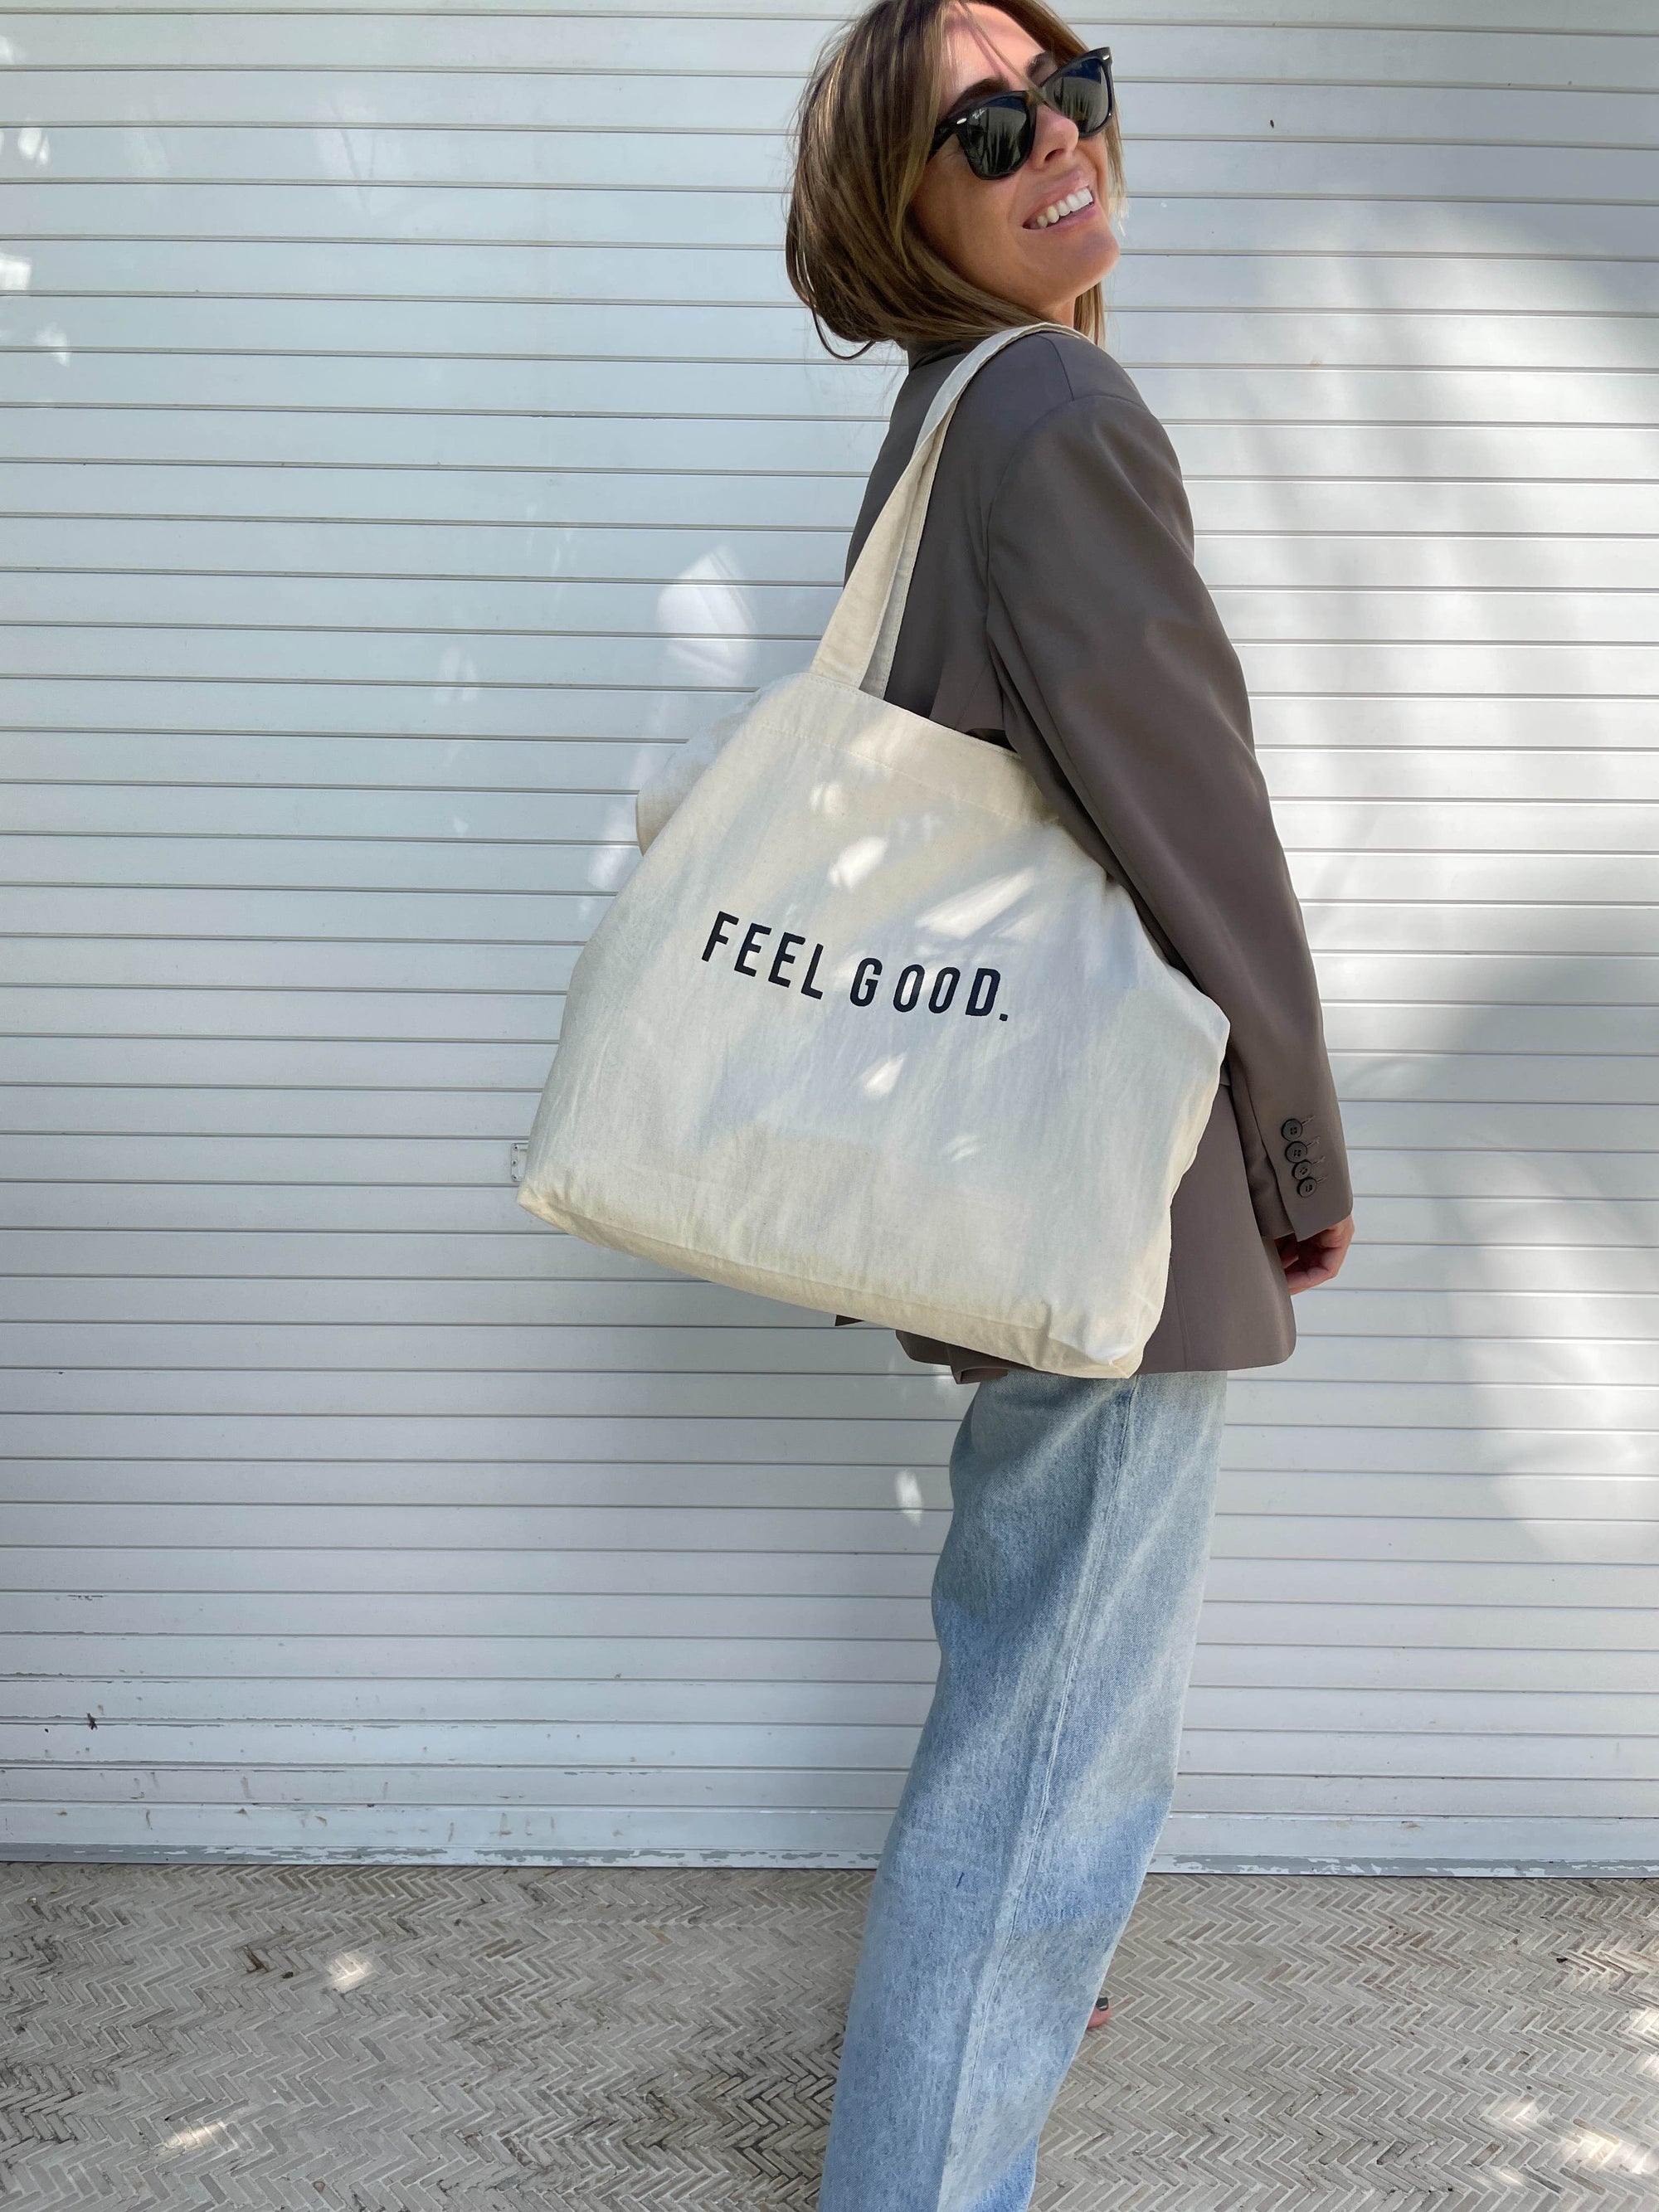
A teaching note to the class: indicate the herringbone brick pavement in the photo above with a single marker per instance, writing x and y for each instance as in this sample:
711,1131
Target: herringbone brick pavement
438,2038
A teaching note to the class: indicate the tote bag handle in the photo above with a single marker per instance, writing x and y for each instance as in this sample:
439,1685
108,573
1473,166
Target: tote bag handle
860,640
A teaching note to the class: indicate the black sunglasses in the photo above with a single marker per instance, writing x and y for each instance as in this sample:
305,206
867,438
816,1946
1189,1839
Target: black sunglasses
998,132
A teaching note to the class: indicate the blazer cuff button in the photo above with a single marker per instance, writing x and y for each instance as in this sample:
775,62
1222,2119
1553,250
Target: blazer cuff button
1291,1129
1307,1186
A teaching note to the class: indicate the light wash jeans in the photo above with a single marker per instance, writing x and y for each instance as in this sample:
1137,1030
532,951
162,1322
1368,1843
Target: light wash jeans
1065,1601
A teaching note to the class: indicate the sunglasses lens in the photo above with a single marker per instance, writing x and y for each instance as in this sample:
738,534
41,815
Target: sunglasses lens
996,137
1082,91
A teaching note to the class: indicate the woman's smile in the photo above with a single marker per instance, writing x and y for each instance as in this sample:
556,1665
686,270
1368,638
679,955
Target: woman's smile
1073,206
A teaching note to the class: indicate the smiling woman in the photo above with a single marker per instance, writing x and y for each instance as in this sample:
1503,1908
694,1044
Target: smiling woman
953,160
958,171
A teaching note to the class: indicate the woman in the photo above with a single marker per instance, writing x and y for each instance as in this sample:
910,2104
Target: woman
953,177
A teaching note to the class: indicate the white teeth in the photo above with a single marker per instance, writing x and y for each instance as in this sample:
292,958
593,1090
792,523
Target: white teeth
1080,198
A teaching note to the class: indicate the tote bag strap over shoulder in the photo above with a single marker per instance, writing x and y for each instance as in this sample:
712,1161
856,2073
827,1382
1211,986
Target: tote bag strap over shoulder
862,633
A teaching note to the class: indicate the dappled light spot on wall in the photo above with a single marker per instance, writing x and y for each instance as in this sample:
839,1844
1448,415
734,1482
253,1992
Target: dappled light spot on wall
707,619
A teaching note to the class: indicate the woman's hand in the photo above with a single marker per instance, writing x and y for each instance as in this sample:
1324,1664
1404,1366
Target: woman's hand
1310,1261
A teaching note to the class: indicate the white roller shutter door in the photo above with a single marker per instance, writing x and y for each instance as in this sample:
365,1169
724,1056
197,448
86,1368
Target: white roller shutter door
401,447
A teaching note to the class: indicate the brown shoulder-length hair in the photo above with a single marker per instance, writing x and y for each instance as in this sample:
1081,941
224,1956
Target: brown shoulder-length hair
862,131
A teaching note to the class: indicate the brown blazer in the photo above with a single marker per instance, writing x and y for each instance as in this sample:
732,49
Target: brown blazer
1054,608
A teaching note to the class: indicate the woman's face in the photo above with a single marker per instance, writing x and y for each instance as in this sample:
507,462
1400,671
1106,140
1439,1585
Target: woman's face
986,231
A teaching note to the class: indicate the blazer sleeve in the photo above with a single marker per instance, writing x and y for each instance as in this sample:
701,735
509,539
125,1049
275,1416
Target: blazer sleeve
1115,669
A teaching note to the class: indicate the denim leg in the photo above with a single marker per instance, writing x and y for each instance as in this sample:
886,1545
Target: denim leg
1066,1603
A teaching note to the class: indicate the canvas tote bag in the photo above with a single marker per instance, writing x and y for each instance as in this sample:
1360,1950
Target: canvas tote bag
867,1030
